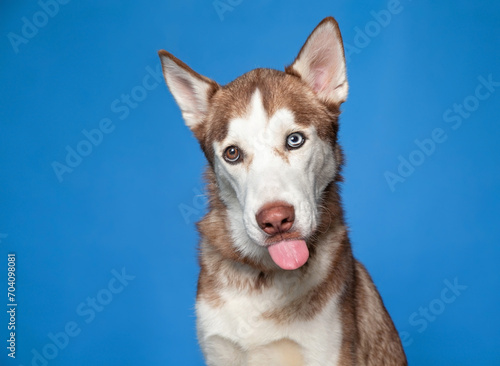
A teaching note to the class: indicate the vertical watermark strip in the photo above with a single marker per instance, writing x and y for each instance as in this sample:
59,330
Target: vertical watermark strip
12,304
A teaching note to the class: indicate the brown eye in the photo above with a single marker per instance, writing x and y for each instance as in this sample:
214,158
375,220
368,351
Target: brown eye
232,154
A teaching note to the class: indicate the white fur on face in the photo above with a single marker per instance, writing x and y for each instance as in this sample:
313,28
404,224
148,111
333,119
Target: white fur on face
297,177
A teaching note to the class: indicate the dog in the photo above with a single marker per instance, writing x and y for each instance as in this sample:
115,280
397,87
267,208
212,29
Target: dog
278,282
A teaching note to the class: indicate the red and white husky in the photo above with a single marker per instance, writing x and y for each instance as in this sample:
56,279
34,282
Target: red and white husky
278,282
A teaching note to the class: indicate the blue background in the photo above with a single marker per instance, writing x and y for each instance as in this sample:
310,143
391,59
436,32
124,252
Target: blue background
131,203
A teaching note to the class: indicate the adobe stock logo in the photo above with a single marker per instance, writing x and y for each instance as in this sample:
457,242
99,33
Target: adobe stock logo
381,19
428,314
192,212
455,116
86,311
30,27
122,107
224,6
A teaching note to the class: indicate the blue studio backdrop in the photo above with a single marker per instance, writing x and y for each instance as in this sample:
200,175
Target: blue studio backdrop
100,181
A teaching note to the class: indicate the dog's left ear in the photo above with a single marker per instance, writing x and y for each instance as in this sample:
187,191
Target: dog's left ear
321,63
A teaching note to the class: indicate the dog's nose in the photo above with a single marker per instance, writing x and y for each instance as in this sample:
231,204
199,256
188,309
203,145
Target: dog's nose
275,218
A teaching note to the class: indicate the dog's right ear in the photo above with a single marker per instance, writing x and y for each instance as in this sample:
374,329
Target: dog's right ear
321,63
191,91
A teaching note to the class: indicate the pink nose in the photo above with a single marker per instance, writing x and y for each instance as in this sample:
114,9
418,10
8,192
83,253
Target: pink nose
276,217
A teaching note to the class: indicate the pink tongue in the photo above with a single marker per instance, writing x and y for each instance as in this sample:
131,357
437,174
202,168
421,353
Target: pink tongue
290,254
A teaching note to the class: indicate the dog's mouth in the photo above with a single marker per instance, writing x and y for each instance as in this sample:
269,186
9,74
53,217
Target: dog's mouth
288,250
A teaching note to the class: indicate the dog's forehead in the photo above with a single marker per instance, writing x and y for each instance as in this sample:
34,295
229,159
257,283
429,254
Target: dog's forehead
276,91
257,122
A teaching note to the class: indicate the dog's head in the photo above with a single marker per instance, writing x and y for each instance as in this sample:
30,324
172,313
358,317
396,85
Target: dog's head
271,139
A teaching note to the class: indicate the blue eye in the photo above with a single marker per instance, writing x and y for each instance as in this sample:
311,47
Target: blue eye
295,140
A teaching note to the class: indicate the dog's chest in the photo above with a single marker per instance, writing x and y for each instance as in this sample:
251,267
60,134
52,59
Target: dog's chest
246,328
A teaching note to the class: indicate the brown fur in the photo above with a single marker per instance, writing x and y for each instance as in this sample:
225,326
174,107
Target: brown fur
282,155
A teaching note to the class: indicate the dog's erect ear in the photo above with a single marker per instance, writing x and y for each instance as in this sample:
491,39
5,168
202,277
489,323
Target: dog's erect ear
321,63
191,90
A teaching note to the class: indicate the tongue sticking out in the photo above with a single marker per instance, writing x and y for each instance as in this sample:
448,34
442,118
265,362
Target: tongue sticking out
290,254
